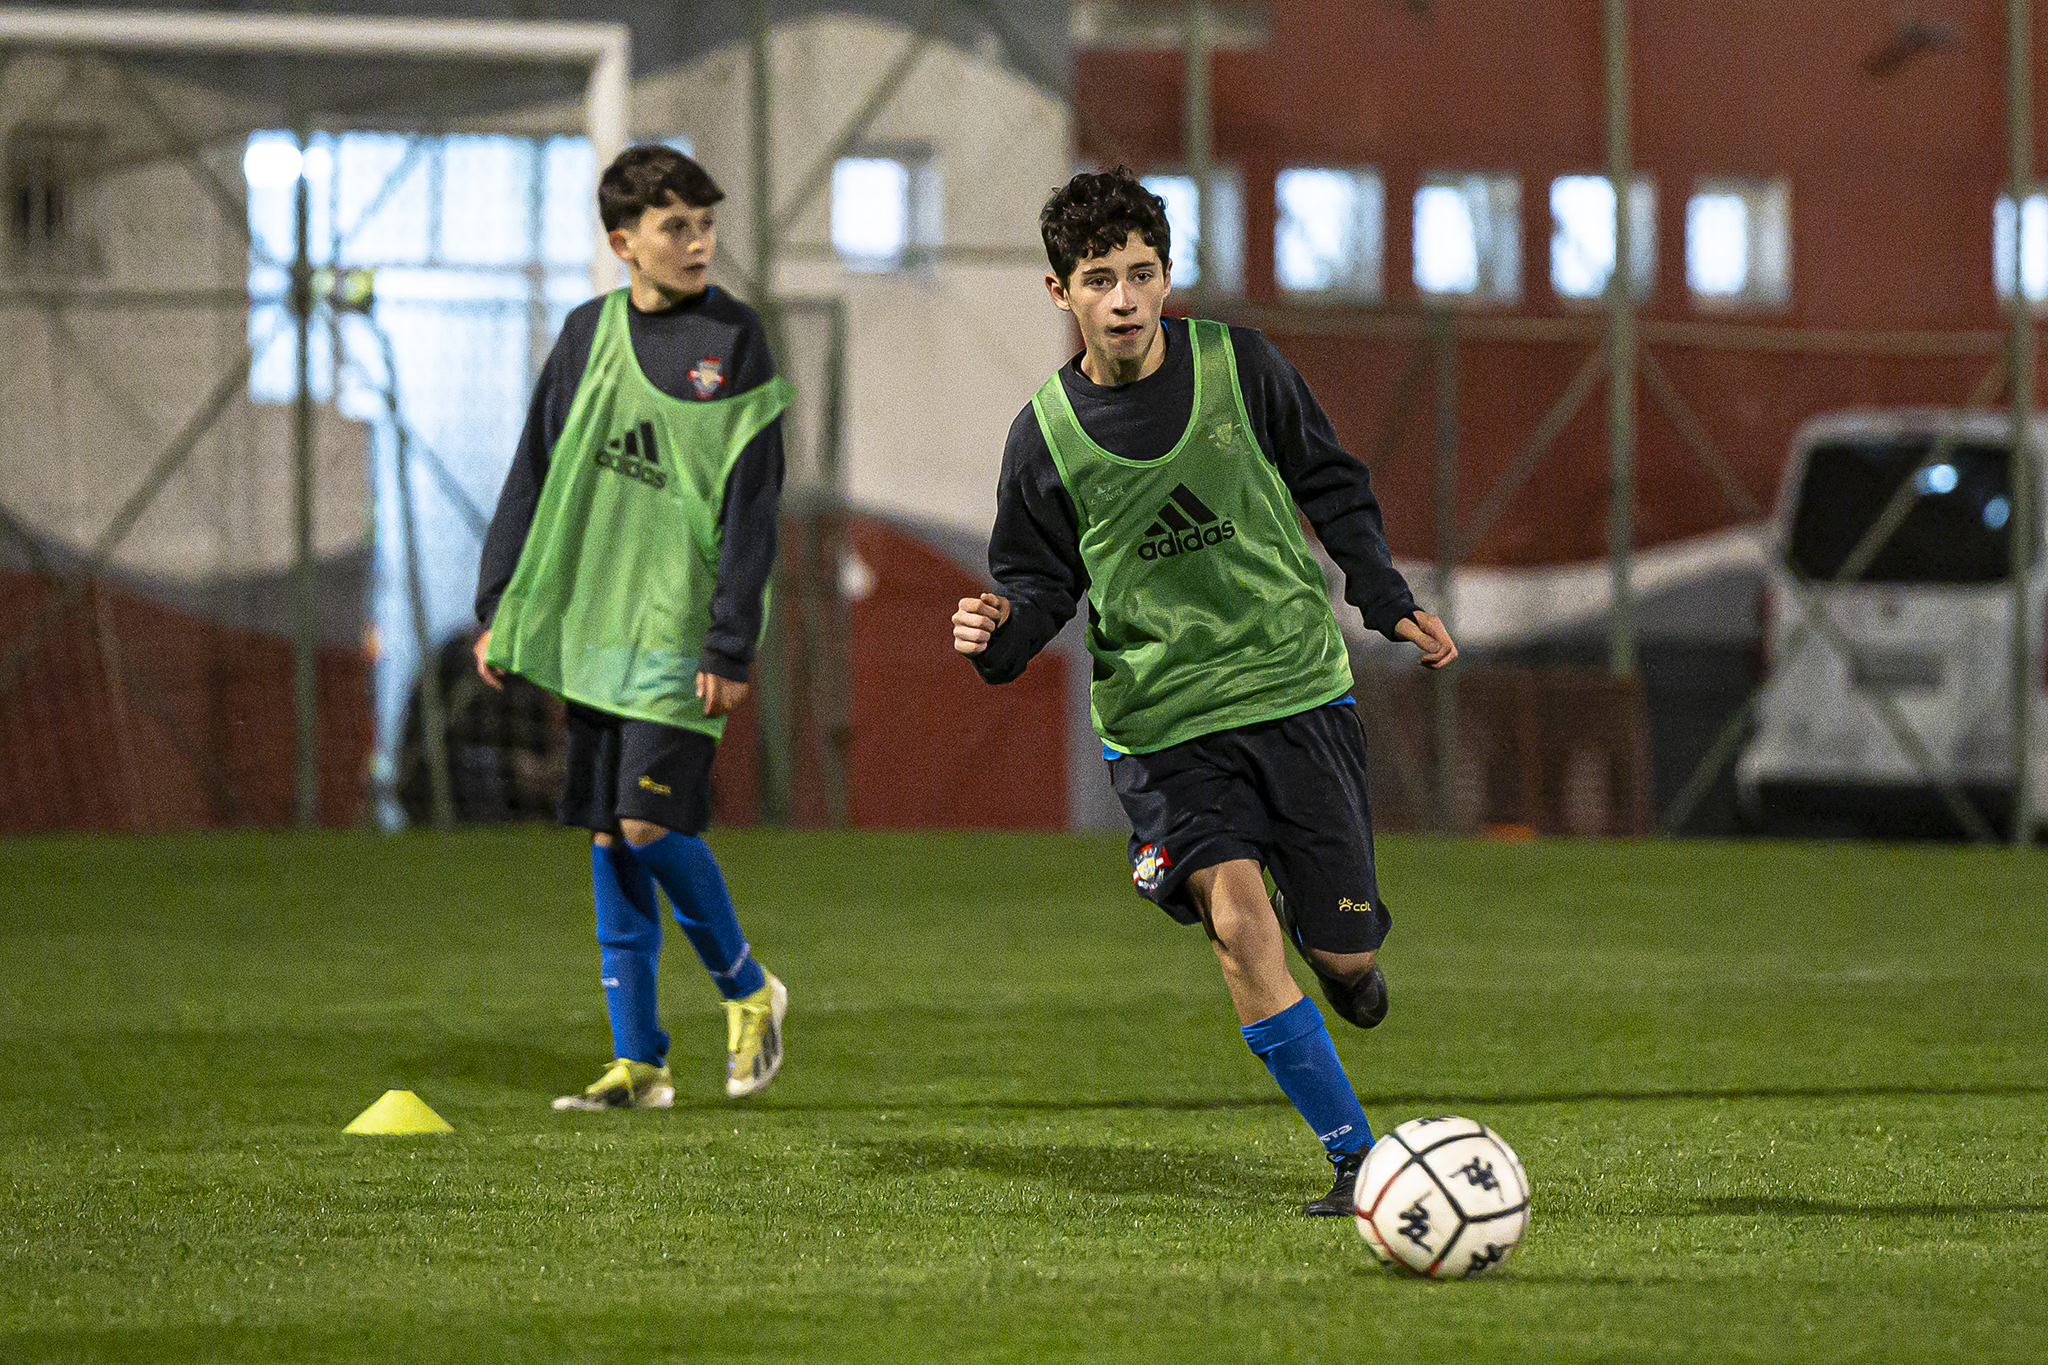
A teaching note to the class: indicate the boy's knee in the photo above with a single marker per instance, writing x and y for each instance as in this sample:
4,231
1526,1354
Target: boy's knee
1349,968
1231,898
1226,914
1235,882
640,832
602,840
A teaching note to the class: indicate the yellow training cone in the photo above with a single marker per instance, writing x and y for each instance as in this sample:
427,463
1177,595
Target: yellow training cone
399,1111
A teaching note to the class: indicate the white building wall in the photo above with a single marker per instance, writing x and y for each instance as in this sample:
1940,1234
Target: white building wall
93,389
941,357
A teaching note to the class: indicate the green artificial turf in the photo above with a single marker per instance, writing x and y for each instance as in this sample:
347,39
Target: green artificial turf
1777,1103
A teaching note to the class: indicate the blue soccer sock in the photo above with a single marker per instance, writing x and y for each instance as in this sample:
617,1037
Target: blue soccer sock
629,937
683,864
1296,1048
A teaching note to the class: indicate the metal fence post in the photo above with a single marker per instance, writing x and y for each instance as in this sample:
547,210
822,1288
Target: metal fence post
1444,453
2022,347
306,624
1621,347
771,693
835,697
1197,134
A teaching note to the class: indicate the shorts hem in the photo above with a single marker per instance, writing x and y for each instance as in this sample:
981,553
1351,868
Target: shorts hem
1372,931
584,820
667,819
1172,895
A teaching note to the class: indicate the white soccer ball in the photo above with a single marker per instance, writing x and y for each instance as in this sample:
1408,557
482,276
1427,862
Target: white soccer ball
1443,1197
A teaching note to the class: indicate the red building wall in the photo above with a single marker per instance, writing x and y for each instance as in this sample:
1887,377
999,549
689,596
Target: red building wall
131,715
927,743
1892,183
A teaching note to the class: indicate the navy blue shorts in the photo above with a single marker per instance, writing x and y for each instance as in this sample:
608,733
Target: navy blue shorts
624,769
1290,794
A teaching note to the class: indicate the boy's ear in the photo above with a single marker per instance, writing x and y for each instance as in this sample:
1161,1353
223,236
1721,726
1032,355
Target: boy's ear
620,244
1058,290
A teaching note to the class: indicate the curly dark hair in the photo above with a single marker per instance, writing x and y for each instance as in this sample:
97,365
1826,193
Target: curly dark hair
648,177
1095,213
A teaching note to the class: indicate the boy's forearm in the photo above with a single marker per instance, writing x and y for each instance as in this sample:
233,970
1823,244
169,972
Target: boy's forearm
519,499
1015,643
506,538
746,557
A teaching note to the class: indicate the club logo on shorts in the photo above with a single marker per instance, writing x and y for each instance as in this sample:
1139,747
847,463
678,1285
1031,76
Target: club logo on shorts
1362,907
658,788
634,455
1184,525
708,377
1149,867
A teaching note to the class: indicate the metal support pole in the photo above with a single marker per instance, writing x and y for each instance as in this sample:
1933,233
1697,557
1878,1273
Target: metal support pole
433,705
306,624
1621,354
836,664
1197,137
771,700
433,712
2019,100
1444,453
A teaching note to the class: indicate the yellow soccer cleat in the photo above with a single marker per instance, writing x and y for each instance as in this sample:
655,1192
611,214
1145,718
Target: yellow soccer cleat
626,1084
753,1038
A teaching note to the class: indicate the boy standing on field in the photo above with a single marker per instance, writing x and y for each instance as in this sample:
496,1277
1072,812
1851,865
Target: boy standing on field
624,571
1158,474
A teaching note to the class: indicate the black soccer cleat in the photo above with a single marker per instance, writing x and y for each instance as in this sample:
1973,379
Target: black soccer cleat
1337,1203
1364,1002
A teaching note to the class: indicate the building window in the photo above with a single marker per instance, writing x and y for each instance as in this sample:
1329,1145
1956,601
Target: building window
886,210
50,229
1184,222
1738,243
472,245
1468,237
1139,26
1582,236
2026,239
1330,235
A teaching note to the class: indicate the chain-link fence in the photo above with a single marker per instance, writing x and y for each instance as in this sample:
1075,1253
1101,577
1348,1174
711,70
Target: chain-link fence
273,322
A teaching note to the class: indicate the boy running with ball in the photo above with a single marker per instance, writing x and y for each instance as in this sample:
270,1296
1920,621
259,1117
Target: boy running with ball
624,571
1158,474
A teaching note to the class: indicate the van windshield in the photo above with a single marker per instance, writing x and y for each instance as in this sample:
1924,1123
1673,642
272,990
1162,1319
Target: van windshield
1956,532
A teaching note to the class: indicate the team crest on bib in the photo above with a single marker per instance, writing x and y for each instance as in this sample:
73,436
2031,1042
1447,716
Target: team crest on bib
708,377
1149,867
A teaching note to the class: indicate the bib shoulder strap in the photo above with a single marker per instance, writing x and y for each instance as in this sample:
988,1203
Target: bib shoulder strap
1215,364
765,402
1060,427
611,322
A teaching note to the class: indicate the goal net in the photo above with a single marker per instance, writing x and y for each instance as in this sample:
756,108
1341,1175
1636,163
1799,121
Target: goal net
275,292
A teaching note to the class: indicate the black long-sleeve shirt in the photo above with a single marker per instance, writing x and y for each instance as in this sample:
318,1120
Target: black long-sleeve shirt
670,345
1034,553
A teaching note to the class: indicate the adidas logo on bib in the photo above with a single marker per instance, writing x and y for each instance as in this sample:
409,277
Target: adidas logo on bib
1184,525
634,455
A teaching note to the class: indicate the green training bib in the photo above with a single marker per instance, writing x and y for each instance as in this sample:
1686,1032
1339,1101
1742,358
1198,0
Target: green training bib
611,599
1206,609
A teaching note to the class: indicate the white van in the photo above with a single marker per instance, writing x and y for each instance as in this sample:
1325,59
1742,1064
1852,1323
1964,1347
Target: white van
1928,625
